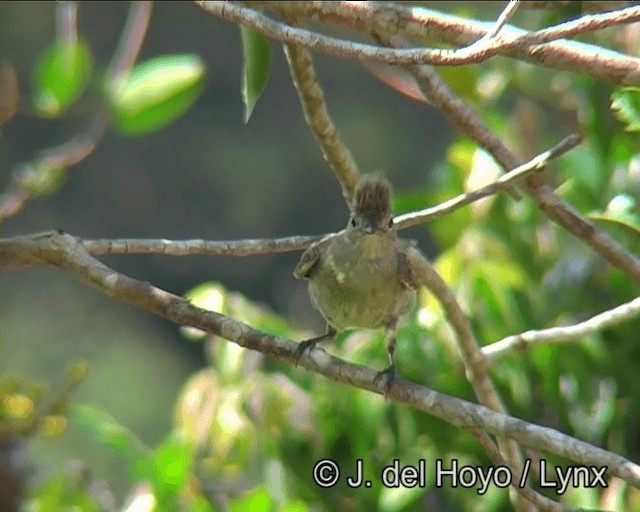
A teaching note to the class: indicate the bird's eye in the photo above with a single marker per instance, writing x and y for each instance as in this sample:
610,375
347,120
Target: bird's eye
353,222
390,224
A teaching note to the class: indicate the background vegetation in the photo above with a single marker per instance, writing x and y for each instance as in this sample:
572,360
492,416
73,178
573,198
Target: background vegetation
105,407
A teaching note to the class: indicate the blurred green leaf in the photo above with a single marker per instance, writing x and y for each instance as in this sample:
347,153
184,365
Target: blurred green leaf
585,178
42,179
626,106
394,499
257,500
623,211
213,296
156,92
171,466
106,430
294,506
255,68
61,491
461,79
60,76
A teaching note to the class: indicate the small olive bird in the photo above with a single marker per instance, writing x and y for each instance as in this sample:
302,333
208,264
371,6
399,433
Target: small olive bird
361,276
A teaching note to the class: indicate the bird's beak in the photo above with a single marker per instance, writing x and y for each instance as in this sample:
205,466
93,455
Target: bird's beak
370,228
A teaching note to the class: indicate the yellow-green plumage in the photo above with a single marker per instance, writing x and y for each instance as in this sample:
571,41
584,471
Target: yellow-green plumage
358,278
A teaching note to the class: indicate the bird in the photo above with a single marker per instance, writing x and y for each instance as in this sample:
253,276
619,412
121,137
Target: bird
361,277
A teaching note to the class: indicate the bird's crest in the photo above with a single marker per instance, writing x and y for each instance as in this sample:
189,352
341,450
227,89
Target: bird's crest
372,200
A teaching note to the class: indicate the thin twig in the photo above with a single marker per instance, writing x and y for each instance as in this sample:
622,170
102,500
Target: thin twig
64,251
200,247
505,15
67,22
335,152
130,43
529,339
29,178
503,182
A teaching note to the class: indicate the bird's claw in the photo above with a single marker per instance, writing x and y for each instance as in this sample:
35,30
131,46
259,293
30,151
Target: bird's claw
303,346
389,374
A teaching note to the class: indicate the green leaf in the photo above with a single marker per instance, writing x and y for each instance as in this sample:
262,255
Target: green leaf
60,76
623,211
171,466
626,105
255,70
156,92
106,430
257,500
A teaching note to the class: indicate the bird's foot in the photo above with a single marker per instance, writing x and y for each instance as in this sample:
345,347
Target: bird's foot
389,374
305,346
308,345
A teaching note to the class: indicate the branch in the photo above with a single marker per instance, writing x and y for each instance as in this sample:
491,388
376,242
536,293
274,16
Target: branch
66,252
317,117
526,491
467,120
14,251
505,181
472,356
505,15
198,247
130,43
474,360
574,332
418,22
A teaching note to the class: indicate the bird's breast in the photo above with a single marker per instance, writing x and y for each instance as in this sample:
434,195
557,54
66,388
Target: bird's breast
356,284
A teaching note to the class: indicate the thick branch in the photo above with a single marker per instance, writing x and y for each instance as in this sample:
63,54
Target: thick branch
64,251
396,18
426,25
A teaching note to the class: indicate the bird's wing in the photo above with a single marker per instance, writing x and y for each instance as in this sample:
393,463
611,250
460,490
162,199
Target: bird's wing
309,259
406,275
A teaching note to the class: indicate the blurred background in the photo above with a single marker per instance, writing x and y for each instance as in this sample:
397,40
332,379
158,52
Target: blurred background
207,175
189,416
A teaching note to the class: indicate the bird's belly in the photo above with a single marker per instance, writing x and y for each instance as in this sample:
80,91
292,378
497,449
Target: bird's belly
364,299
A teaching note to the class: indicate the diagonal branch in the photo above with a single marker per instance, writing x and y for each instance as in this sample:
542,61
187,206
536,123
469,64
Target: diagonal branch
315,111
574,332
474,360
64,251
467,120
536,164
527,492
505,15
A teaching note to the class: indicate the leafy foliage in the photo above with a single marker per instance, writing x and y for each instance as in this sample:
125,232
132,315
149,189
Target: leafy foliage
60,76
248,432
255,69
156,92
